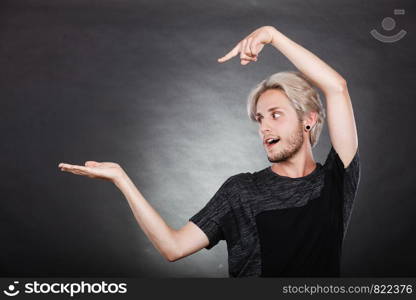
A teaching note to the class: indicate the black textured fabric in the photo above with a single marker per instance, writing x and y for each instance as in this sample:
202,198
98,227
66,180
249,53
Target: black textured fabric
280,226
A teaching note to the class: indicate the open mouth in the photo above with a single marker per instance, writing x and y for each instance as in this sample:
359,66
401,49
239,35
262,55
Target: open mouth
271,142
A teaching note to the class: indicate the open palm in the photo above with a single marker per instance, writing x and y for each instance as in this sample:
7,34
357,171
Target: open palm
93,169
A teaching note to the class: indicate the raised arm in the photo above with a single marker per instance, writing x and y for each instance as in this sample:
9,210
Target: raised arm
341,122
172,244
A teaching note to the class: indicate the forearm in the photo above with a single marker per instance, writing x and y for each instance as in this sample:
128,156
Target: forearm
317,71
159,233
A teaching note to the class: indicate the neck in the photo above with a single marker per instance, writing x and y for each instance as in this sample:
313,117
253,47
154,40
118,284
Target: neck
299,165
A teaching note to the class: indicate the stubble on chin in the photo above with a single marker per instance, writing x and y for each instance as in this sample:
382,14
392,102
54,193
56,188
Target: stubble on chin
294,145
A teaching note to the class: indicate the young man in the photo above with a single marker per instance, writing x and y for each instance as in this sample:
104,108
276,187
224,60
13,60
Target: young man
288,219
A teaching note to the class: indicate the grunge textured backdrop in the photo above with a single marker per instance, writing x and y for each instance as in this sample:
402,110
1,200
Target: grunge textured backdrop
137,83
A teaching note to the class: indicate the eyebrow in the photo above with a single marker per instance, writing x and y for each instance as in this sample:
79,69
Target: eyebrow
270,109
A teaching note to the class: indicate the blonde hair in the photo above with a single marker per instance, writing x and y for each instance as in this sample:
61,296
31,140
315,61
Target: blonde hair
302,95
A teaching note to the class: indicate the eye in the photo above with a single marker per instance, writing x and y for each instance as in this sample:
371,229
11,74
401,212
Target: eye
275,114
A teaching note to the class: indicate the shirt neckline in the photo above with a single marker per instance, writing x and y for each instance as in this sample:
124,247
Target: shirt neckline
313,173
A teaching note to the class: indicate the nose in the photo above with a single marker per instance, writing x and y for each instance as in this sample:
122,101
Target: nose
264,128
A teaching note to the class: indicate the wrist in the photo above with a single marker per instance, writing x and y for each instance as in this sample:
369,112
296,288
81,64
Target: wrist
274,33
120,178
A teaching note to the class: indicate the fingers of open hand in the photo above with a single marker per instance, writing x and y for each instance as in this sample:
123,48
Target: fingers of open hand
91,163
75,169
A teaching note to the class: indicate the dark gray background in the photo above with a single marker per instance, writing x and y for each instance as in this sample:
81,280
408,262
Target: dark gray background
137,82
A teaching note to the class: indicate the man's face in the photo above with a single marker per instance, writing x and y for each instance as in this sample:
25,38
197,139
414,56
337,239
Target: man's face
278,119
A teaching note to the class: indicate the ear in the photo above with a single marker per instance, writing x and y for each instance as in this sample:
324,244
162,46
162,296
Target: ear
311,119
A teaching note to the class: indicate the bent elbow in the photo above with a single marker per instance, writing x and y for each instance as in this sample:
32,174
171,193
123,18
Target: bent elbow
336,87
172,257
341,85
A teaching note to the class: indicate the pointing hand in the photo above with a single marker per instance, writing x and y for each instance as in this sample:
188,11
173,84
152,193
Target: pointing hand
250,47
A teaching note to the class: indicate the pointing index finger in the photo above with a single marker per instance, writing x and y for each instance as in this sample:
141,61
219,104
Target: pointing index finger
230,54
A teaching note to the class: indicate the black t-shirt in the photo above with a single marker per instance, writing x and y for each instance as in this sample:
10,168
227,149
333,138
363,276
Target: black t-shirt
277,226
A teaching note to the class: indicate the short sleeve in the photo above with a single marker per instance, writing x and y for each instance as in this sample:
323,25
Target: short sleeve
349,177
210,218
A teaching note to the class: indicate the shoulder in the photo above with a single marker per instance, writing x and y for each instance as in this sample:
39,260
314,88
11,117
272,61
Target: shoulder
246,180
235,180
244,177
239,180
